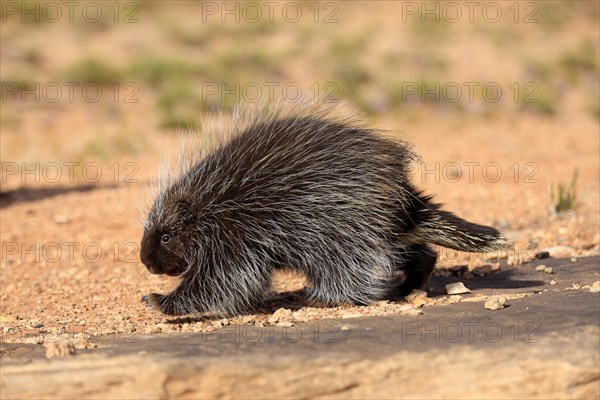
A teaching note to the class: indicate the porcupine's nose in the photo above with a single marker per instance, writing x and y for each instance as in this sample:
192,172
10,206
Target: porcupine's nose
148,264
146,261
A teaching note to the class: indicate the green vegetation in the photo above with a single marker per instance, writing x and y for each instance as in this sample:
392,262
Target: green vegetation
104,148
583,59
551,14
96,148
156,71
429,31
94,70
539,91
545,100
246,62
346,70
564,195
499,35
348,49
369,63
173,79
178,103
594,104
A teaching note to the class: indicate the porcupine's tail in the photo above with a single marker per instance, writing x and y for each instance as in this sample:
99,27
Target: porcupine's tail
446,229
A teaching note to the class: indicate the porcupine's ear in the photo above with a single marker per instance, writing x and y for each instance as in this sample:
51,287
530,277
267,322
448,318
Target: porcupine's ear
184,211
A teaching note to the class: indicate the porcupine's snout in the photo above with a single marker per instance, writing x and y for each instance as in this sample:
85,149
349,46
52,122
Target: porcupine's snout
147,261
147,257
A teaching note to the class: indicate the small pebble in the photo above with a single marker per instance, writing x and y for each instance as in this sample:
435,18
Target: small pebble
574,259
62,349
414,294
280,314
540,268
559,251
455,298
7,318
595,287
418,298
553,282
61,219
548,270
457,288
495,303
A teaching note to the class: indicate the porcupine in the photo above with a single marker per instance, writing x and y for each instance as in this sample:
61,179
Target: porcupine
298,188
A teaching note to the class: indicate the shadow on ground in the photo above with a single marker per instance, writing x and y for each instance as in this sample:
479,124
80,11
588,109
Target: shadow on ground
508,279
30,194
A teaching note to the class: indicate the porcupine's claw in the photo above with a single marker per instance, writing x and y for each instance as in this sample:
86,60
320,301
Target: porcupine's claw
151,301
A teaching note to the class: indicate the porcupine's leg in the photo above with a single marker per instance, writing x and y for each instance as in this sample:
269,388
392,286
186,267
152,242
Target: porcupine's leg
174,303
417,264
345,282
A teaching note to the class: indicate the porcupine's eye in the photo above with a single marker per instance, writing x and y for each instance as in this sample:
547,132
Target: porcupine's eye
165,238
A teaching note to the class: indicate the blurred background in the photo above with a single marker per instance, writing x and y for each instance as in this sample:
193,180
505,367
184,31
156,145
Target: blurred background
501,100
510,83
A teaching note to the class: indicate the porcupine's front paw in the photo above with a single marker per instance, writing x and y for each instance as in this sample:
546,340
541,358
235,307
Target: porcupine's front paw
152,301
165,304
